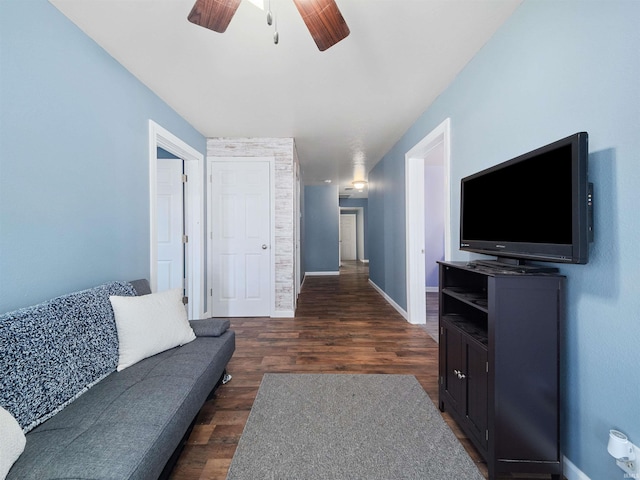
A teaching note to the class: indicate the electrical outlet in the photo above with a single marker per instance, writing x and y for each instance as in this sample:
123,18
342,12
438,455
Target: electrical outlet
630,467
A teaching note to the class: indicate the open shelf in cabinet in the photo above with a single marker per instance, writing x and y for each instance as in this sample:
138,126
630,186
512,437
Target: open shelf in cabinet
477,331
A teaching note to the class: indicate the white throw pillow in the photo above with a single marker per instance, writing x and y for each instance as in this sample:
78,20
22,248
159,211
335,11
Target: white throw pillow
12,442
150,324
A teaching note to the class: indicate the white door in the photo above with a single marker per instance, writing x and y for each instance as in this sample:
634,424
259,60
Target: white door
240,226
347,236
170,221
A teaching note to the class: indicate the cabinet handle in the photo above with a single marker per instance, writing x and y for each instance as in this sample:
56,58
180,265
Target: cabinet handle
459,374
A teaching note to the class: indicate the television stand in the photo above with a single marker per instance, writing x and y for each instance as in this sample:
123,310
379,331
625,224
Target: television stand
511,265
499,373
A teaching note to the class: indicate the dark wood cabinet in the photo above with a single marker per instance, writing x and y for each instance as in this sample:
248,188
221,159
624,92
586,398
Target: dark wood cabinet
499,369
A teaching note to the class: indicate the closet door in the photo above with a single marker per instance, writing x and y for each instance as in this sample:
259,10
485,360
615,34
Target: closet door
240,226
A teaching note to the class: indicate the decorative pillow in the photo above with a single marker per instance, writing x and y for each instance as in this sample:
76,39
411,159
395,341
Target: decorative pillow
12,444
150,324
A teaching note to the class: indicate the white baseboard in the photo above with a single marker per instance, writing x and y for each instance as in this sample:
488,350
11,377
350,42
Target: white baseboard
364,260
572,472
283,314
390,301
320,273
431,289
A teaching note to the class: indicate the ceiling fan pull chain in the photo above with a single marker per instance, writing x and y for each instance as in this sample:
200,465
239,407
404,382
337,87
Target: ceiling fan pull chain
276,35
269,14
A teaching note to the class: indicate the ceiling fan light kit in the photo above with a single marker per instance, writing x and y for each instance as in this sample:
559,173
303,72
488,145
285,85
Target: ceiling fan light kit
322,18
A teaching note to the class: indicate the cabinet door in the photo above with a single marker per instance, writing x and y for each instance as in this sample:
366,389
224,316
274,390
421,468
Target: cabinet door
450,340
476,390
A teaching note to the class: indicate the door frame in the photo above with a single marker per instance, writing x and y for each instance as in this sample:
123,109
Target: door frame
193,167
415,216
272,222
355,229
359,231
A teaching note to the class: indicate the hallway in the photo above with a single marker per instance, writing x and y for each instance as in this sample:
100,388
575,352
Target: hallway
342,325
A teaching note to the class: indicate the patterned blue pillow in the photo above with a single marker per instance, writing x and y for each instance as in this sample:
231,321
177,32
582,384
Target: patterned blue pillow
53,352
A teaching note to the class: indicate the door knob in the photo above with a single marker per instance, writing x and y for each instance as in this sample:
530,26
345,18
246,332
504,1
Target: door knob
264,247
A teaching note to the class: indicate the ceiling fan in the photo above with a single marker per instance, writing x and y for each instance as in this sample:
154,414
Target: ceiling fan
322,18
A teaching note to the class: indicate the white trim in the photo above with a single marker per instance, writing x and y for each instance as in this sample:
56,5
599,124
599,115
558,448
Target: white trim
415,216
194,220
572,472
283,314
318,274
272,208
431,289
415,238
272,224
366,260
297,188
389,300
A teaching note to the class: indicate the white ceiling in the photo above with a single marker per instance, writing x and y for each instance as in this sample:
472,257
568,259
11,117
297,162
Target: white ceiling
349,104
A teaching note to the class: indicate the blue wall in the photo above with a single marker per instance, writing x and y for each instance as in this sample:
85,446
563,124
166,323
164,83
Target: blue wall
322,228
387,236
74,195
554,68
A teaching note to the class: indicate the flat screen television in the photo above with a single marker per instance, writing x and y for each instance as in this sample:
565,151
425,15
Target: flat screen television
537,206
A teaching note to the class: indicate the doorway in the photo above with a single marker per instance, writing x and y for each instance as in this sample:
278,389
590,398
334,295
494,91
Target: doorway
415,215
171,229
193,163
348,237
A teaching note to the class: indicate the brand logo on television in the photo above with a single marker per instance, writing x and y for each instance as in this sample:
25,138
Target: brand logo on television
500,246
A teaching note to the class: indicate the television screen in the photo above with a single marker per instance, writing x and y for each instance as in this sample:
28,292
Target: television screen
535,206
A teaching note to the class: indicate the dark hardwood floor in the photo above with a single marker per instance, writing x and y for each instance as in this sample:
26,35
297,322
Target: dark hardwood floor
342,325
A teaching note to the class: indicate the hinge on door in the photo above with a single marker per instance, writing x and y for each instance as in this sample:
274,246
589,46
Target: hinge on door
486,435
184,178
185,238
487,367
211,292
185,300
441,330
441,380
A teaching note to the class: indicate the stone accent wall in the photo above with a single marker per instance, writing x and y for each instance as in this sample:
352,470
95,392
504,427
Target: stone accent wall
283,150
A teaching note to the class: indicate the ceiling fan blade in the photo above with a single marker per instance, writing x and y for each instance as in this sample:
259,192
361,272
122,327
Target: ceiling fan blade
213,14
324,21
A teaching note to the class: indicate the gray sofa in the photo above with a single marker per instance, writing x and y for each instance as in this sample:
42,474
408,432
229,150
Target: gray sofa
130,424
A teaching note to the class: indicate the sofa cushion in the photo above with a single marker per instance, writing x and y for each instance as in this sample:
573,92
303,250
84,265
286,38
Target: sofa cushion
128,425
210,327
150,324
141,286
13,441
54,351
